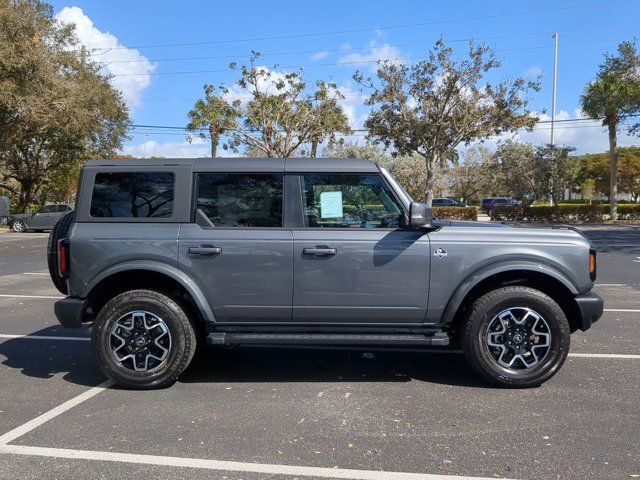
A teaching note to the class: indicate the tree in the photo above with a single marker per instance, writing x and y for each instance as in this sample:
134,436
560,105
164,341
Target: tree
518,171
614,96
553,163
212,113
432,107
410,172
55,107
596,167
469,179
277,114
588,189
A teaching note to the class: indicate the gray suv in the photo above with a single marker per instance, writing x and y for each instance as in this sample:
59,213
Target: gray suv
161,255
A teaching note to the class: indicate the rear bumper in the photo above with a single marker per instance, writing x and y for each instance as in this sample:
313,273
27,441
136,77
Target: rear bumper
591,307
69,311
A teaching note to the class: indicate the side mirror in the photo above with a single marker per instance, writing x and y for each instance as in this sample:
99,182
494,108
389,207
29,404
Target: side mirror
420,215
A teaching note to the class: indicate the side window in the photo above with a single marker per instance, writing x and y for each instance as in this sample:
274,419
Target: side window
240,200
47,209
349,201
133,194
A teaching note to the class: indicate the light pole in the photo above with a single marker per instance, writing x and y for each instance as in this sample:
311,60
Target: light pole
145,144
553,105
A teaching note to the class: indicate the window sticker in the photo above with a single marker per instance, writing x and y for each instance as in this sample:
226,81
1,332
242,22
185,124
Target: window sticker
331,205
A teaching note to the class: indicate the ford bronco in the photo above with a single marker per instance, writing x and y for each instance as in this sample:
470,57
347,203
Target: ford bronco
161,255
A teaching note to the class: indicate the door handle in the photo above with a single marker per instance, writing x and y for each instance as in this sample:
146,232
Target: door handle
319,251
205,250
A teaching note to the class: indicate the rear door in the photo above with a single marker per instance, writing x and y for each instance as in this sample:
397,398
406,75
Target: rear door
354,262
237,250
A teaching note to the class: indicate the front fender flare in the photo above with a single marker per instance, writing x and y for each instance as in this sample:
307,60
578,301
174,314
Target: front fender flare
483,273
162,268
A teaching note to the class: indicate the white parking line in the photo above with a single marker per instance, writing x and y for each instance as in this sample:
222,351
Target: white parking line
54,412
604,355
6,295
219,465
36,273
622,310
44,337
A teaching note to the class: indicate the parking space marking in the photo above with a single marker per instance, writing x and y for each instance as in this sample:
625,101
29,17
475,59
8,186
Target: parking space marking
604,355
6,295
622,310
220,465
54,412
36,273
43,337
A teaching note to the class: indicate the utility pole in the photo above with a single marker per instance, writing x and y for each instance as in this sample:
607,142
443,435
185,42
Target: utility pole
145,144
553,103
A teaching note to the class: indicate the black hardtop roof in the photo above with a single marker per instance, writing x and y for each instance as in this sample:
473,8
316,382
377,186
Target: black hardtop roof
239,164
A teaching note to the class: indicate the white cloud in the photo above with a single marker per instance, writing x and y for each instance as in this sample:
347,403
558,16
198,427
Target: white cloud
533,72
198,147
376,52
110,52
586,136
266,84
320,55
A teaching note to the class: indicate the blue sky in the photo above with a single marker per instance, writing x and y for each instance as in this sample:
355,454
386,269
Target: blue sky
133,38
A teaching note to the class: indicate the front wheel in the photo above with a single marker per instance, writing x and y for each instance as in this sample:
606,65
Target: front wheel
18,226
516,337
143,340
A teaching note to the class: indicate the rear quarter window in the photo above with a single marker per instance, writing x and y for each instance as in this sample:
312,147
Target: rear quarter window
133,194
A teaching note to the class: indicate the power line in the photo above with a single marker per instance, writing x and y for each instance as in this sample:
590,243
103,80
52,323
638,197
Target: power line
373,29
354,62
351,49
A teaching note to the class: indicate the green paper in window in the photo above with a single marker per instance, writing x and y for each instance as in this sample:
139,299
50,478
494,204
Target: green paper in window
331,205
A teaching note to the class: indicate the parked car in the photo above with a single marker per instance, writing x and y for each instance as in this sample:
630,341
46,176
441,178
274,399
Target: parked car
42,219
446,202
162,254
490,203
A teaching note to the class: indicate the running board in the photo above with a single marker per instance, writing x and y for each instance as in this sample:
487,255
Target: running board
221,338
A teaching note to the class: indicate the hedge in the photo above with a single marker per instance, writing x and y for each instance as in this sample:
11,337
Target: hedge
565,213
456,213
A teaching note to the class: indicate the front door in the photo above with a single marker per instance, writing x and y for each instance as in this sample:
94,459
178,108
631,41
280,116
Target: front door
237,251
43,217
354,262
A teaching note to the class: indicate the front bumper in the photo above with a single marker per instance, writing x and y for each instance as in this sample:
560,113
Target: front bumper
70,311
591,307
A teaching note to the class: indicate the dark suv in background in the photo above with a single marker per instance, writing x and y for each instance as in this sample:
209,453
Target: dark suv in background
42,219
489,204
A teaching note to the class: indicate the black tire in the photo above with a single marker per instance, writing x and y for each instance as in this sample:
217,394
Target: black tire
18,226
60,231
181,346
486,359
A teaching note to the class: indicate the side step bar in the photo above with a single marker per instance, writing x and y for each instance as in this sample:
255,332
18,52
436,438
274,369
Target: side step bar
223,338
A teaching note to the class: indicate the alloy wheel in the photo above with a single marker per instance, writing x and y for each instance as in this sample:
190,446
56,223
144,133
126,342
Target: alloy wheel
140,341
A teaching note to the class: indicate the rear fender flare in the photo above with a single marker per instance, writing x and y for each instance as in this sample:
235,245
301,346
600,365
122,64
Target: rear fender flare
179,276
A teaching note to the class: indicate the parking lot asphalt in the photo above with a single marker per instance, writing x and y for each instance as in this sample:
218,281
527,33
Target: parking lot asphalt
284,413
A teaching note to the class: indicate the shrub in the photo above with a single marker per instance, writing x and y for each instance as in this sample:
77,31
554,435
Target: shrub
565,213
456,213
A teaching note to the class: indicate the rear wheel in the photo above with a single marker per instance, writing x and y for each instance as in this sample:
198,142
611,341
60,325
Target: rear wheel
516,337
143,340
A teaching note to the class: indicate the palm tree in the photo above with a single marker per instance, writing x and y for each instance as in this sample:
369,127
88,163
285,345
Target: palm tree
213,113
613,97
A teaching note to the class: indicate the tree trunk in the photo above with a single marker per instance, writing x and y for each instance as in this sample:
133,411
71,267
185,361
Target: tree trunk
314,148
214,142
27,190
613,171
428,190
